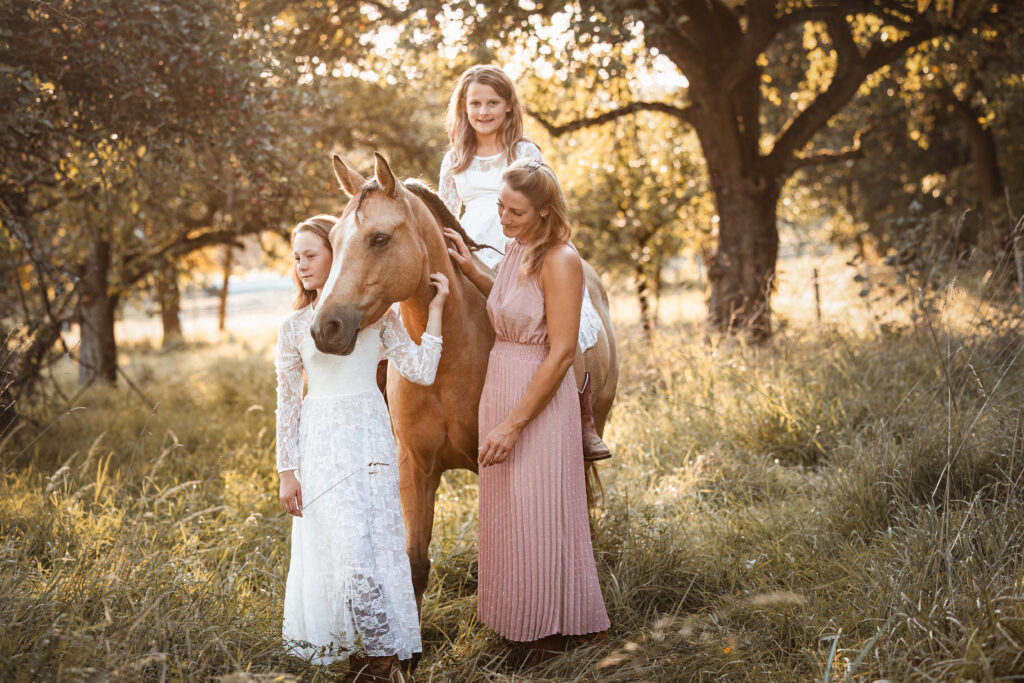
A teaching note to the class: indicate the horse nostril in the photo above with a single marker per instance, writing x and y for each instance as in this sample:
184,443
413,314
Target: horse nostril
332,329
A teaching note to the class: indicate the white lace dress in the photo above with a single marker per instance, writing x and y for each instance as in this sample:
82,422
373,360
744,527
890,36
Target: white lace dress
476,189
349,584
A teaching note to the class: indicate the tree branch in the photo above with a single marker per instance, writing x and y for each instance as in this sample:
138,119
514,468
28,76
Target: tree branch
142,265
850,74
854,151
764,27
682,113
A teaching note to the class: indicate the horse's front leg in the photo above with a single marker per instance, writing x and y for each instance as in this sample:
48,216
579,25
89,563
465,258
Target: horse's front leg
419,487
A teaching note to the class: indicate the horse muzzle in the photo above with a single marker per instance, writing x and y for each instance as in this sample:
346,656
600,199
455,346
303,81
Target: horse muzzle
335,331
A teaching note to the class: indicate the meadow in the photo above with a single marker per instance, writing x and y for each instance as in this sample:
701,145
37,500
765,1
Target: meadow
846,504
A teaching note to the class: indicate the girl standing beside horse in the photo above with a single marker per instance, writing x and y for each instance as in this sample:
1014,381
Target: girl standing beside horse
349,586
485,127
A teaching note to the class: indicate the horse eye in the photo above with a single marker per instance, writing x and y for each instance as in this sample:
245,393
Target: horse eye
379,239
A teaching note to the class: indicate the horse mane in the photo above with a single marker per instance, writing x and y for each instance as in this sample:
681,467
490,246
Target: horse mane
441,213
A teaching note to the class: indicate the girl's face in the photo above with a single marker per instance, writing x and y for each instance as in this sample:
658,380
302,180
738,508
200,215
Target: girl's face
485,108
519,218
312,260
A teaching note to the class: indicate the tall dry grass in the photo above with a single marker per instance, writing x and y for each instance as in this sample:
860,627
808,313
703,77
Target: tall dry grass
845,505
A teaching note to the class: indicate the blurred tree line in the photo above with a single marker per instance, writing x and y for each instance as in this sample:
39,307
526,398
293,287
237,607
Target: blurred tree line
140,135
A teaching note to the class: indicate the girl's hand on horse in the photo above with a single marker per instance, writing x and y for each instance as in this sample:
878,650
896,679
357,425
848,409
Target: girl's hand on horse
498,444
290,493
440,283
459,251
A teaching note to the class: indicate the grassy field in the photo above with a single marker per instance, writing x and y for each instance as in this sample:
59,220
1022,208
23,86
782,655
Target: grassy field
845,505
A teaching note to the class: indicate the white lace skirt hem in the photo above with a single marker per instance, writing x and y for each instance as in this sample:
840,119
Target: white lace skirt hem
349,587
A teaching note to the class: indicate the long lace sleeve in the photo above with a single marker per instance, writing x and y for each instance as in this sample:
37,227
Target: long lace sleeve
446,188
288,364
527,150
416,362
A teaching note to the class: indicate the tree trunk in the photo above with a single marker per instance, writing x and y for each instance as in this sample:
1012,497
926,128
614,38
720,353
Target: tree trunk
742,271
222,311
98,353
984,150
170,304
643,295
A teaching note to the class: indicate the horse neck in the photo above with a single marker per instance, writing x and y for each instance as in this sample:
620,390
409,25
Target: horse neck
462,294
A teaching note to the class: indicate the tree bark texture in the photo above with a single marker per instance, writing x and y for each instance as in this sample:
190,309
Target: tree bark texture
742,270
222,310
984,150
98,352
169,296
643,295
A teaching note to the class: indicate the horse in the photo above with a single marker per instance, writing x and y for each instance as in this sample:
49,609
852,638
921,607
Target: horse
386,244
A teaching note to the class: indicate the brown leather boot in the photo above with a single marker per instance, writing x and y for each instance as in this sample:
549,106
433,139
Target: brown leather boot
356,668
591,638
593,447
543,649
383,669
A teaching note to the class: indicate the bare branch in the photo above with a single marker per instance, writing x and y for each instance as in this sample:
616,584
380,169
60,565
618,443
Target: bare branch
854,151
141,265
682,113
850,74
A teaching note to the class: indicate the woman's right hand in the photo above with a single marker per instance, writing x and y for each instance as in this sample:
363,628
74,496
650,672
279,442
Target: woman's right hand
291,493
459,252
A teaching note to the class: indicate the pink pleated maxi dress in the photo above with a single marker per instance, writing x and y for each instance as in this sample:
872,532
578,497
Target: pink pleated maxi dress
537,572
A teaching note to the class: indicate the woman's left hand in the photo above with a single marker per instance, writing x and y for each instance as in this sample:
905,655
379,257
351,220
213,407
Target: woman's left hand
498,445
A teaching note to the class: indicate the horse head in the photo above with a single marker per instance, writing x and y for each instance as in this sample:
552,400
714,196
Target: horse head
379,256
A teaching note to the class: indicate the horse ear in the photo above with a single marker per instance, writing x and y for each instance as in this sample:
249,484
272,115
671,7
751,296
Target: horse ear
384,176
349,179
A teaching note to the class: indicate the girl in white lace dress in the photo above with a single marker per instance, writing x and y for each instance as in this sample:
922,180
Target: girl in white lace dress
485,127
349,589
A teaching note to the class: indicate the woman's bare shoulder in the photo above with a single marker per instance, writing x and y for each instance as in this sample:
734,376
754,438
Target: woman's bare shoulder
561,264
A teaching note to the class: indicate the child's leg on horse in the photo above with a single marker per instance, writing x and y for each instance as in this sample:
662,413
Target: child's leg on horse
593,447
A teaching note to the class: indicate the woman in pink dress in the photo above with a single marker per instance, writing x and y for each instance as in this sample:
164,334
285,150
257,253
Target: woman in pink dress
538,580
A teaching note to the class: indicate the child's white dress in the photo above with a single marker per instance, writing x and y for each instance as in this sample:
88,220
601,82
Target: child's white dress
349,583
477,189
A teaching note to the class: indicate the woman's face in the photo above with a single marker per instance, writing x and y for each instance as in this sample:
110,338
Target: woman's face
519,218
312,260
485,108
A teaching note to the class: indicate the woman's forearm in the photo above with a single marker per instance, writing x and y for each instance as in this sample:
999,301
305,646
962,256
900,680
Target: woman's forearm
542,387
481,280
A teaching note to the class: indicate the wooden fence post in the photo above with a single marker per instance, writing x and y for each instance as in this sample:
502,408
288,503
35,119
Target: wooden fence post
817,297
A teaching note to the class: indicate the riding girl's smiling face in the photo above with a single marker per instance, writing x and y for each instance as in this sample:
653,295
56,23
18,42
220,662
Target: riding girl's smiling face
312,260
485,108
519,218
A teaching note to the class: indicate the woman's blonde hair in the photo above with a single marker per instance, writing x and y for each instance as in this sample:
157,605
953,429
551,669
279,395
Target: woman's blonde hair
321,227
462,135
538,183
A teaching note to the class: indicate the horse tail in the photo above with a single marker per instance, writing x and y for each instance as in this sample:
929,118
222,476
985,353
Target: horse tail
595,489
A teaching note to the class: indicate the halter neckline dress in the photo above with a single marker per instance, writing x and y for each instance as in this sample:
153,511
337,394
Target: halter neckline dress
536,566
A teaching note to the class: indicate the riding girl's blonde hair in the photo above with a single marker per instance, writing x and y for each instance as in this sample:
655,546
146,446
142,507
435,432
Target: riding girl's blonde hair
321,227
462,135
538,183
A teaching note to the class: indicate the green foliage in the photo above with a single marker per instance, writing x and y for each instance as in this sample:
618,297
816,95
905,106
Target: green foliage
843,502
943,134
